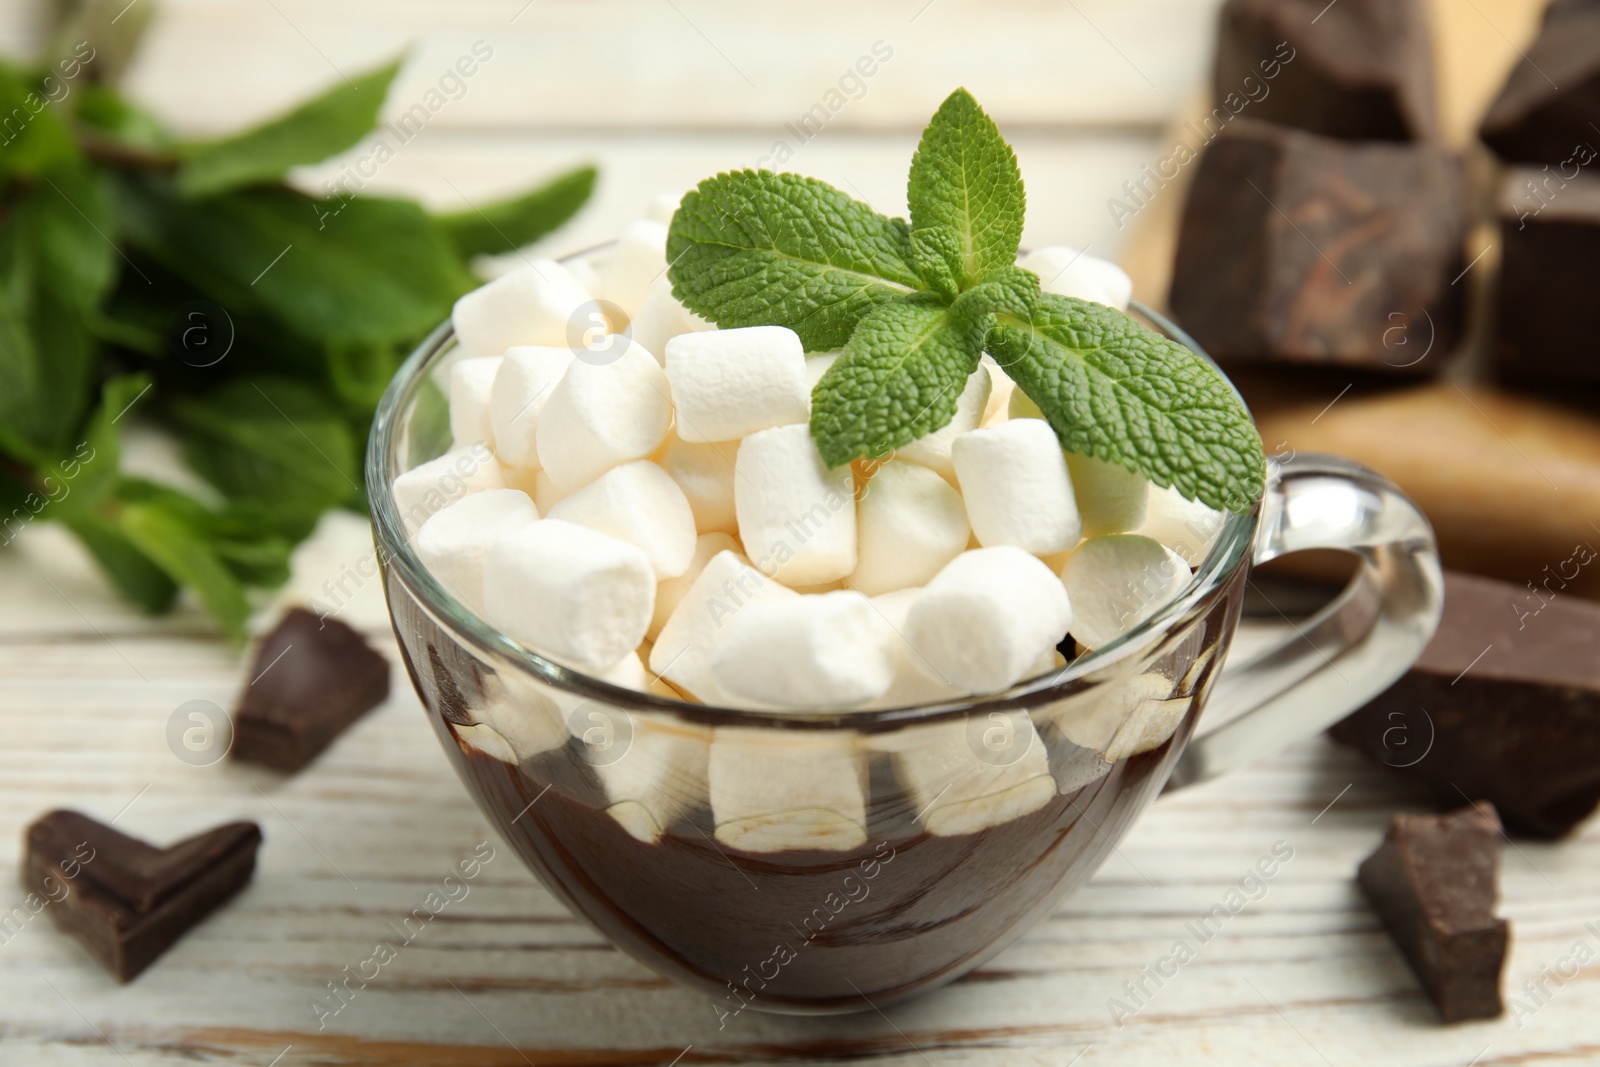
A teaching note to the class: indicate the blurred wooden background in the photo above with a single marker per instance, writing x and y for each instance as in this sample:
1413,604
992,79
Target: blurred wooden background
660,93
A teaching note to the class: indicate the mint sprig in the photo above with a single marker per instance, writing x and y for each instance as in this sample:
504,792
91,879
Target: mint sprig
1116,391
751,248
964,178
914,307
189,286
898,379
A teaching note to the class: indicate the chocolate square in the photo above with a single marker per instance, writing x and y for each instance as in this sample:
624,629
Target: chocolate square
125,900
310,680
1549,319
1358,69
1433,881
1504,703
1551,101
1304,249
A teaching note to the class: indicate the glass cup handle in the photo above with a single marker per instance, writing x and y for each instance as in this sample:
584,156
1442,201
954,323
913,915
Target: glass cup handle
1356,646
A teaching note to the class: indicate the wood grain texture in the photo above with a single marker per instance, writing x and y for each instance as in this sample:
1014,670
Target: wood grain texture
506,976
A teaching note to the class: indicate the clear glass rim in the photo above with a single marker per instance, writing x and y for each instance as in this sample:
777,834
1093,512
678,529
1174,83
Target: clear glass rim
1231,550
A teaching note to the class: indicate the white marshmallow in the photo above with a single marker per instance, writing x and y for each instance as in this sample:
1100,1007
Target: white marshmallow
427,487
777,790
572,593
593,721
527,376
705,474
670,591
583,272
1022,406
532,305
601,415
545,493
661,318
831,650
641,504
1116,582
1122,718
1001,389
523,715
730,383
682,653
1018,492
470,384
797,517
988,618
486,739
817,364
916,679
1186,526
1111,498
455,541
521,479
910,524
637,263
1068,272
934,449
663,774
663,206
971,774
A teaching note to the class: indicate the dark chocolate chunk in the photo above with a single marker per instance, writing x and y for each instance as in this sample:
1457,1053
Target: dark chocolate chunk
1504,703
1551,101
127,901
1433,882
311,679
1305,249
1561,8
1358,69
1549,318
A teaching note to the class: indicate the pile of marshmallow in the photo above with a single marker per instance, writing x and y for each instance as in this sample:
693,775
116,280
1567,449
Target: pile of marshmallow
646,505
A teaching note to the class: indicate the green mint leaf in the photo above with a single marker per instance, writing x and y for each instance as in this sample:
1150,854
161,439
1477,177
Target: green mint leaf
56,264
20,390
33,137
936,252
897,380
511,224
754,248
274,441
169,539
310,133
90,471
1117,391
965,177
106,115
130,570
326,269
1011,290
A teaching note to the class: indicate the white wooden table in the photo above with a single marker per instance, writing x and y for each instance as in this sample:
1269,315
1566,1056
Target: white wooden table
661,92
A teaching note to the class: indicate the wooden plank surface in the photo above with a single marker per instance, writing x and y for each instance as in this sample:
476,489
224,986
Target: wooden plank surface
656,92
1302,975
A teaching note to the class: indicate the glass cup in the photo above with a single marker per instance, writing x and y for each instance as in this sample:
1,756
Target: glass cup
830,861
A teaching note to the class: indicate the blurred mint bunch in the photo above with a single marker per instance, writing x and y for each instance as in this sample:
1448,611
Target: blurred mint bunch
185,284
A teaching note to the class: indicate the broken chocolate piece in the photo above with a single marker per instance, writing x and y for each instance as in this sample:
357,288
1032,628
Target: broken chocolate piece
1551,99
127,901
1503,704
1433,882
1561,8
311,679
1550,234
1360,70
1304,249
